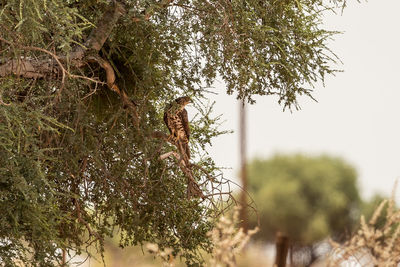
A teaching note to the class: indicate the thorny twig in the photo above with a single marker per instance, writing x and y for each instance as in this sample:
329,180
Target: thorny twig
193,187
215,183
149,13
91,232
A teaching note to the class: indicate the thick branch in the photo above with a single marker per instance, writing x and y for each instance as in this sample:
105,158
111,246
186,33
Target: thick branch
101,32
29,68
34,68
99,35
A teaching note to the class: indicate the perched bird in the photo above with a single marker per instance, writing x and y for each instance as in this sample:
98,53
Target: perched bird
176,119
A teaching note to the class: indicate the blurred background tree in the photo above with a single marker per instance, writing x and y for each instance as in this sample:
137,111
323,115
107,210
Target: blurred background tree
308,198
83,86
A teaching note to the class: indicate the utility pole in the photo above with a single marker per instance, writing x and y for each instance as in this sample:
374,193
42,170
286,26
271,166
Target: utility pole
243,162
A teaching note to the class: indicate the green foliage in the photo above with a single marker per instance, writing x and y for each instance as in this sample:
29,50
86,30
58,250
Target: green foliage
308,198
43,22
73,167
61,183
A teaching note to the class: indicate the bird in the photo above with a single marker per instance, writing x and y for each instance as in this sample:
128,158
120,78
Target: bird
176,119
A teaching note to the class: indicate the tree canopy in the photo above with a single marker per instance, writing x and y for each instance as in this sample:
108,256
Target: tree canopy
83,89
307,198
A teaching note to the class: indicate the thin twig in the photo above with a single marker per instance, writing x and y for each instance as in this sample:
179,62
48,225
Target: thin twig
148,15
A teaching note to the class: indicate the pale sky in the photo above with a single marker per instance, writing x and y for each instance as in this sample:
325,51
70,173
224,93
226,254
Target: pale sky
357,114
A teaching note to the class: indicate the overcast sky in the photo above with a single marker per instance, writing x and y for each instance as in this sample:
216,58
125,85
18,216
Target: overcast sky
357,114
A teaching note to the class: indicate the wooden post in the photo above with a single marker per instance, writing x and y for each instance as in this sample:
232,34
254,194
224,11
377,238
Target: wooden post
282,247
64,258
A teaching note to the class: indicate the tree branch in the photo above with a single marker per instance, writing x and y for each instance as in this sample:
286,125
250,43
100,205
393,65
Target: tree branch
101,32
35,68
150,11
193,188
110,76
28,68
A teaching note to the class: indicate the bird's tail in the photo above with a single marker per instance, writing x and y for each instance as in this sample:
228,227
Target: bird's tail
186,149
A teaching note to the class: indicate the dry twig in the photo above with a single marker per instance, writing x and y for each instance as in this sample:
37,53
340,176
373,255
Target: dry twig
374,243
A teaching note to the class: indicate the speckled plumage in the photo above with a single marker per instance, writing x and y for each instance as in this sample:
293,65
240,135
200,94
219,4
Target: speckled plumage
176,119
